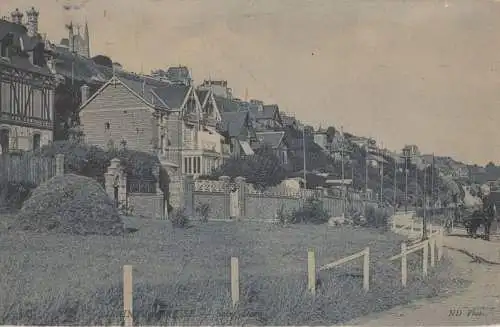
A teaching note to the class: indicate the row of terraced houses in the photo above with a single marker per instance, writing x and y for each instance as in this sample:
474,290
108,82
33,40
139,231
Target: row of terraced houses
46,87
192,128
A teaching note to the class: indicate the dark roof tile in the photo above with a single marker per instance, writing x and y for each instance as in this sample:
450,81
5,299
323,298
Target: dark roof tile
272,139
172,95
225,104
234,122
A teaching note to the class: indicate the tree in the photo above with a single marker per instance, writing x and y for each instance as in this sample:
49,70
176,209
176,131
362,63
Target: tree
262,169
103,60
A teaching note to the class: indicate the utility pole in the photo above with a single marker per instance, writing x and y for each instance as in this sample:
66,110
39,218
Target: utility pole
304,155
367,154
381,175
342,153
424,221
433,199
406,157
394,200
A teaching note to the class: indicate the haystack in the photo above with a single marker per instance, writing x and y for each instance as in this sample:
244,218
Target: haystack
70,204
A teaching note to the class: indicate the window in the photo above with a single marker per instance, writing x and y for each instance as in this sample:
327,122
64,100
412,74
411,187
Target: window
107,126
197,165
36,142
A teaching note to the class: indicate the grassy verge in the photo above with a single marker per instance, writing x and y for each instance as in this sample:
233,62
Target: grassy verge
61,279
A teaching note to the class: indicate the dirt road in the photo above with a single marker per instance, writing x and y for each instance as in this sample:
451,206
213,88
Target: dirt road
479,304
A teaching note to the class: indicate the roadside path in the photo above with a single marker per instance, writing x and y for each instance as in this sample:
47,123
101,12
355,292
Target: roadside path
478,304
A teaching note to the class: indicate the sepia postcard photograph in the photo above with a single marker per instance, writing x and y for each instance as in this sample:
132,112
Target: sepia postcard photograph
249,162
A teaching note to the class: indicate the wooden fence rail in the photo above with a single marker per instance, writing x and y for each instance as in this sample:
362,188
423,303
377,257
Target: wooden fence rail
435,240
366,268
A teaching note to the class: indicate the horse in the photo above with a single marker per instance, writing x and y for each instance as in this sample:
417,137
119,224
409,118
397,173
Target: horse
483,216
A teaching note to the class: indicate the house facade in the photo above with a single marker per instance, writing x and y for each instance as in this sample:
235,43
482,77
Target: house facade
266,117
276,141
238,129
192,140
26,85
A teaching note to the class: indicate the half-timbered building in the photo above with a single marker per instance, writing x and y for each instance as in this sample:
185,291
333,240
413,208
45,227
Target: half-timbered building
26,85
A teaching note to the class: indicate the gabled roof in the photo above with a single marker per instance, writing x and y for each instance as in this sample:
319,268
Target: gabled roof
233,122
202,96
124,82
268,111
172,95
273,139
225,104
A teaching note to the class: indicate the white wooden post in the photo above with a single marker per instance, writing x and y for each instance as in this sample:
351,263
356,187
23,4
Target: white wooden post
235,281
311,271
432,243
403,264
366,270
412,227
425,259
393,222
127,296
440,245
430,229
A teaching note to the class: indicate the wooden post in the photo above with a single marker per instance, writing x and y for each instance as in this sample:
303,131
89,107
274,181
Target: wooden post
425,258
440,245
394,222
366,270
430,229
432,243
311,271
412,227
235,281
127,296
403,264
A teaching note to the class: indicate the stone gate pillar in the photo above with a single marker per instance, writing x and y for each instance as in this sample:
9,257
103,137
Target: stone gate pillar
116,182
188,196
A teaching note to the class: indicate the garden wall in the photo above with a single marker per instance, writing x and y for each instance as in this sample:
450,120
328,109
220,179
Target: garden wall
240,200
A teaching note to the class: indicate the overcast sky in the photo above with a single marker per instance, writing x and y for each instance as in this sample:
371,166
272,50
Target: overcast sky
423,72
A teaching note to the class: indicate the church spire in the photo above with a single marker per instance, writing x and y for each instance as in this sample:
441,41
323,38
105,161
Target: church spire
86,40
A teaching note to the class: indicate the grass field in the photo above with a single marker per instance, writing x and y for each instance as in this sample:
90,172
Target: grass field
62,279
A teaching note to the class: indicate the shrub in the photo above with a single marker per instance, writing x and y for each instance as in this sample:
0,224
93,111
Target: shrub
263,169
311,212
179,218
376,217
93,162
282,218
13,194
203,211
70,204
